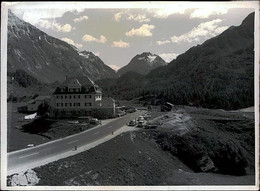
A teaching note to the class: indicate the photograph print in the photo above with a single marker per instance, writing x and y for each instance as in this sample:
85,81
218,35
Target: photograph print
119,94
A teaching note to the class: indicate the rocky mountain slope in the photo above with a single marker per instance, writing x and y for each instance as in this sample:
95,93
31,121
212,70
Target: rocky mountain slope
216,74
46,58
143,64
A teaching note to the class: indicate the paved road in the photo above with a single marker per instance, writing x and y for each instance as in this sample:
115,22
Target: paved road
17,159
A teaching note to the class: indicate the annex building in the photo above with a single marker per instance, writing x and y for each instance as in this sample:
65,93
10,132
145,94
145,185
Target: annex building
80,96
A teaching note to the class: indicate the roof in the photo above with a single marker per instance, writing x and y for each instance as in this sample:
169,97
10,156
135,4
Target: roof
88,86
108,99
41,98
82,80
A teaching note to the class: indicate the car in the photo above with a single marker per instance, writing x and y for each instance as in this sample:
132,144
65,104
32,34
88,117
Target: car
141,123
140,118
121,113
89,119
132,123
94,121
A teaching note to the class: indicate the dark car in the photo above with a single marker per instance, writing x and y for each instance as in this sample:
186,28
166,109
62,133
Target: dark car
132,123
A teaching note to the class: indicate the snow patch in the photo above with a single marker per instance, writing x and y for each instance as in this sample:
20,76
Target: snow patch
151,58
84,55
141,58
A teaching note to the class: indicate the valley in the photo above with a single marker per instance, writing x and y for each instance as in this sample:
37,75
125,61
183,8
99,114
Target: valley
81,133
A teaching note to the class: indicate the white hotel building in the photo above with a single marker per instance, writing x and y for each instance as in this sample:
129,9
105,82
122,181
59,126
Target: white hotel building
79,96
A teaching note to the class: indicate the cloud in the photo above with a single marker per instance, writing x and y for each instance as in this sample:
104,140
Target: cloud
162,42
120,44
144,30
206,12
70,41
206,29
33,13
89,38
118,16
114,67
47,24
168,57
164,13
79,19
125,15
138,17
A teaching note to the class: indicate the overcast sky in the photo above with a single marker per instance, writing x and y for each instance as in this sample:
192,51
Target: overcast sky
116,35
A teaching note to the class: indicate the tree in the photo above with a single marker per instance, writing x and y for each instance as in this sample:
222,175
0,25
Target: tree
43,109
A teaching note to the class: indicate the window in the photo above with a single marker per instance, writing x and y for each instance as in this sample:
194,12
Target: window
87,104
65,104
57,104
65,97
61,97
74,96
70,96
87,96
61,104
57,97
79,96
70,104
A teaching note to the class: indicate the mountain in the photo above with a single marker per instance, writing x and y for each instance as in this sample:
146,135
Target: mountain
46,58
143,64
219,73
127,86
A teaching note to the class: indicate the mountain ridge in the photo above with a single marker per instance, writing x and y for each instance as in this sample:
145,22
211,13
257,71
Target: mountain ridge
46,58
142,63
218,73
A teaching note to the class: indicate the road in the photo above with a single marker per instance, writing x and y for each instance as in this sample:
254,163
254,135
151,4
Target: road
18,159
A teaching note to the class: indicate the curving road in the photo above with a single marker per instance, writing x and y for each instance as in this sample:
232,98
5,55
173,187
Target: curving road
17,159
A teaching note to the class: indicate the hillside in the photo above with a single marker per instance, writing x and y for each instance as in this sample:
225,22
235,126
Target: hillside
46,58
217,74
127,86
142,64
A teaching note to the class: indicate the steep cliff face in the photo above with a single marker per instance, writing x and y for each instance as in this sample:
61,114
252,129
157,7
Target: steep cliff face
143,64
46,58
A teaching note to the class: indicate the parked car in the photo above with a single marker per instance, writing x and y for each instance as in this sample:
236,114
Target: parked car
140,118
94,121
141,123
121,113
89,119
132,123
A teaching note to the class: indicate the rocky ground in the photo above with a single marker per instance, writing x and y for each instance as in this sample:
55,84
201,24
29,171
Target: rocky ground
191,146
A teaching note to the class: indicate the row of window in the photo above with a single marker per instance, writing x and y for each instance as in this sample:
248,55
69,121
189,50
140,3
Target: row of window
71,90
72,104
73,96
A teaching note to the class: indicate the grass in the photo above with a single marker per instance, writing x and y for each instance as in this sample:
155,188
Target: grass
20,134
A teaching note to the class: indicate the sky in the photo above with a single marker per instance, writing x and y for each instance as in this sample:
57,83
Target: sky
116,32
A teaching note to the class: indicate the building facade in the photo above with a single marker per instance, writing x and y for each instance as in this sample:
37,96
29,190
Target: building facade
32,105
76,96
